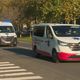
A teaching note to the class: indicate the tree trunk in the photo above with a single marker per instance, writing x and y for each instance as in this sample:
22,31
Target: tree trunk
74,21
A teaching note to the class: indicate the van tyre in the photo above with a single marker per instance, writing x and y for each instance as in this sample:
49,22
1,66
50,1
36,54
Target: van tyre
55,56
14,43
35,51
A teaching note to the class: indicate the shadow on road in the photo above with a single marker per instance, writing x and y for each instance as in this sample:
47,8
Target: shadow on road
30,53
27,52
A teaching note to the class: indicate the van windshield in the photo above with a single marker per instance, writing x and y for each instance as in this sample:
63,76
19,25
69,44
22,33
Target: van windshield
8,29
65,31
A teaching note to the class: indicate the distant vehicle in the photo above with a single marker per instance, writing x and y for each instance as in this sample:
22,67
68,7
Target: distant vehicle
25,33
18,33
58,41
7,34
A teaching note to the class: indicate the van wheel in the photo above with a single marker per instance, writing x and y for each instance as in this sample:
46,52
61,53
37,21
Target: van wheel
14,43
54,56
35,51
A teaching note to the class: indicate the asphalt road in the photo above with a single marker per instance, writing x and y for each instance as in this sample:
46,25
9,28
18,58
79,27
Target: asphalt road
31,68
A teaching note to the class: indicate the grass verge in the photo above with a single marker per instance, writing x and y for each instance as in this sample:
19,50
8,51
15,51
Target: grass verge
25,39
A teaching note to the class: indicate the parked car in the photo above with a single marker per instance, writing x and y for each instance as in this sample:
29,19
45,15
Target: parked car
25,33
18,33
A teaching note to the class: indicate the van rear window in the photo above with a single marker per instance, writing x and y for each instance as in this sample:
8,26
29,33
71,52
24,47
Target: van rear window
39,31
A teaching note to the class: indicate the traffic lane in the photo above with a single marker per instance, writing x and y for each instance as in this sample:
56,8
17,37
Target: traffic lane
44,67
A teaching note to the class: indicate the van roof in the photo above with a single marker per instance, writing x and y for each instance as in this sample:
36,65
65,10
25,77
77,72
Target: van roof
55,24
5,24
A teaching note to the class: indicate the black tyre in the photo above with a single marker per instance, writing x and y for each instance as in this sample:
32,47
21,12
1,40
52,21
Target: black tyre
54,56
35,51
14,43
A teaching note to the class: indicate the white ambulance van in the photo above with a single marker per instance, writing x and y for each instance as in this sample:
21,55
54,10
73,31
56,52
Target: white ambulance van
59,41
7,34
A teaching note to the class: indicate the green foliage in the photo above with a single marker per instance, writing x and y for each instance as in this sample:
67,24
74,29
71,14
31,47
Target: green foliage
71,10
25,39
32,10
27,11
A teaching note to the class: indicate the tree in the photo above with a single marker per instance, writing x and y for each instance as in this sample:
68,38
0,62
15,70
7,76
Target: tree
32,10
27,11
51,11
71,10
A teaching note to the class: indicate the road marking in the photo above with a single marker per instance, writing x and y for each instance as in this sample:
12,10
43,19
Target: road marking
24,78
16,70
6,65
16,74
9,67
9,71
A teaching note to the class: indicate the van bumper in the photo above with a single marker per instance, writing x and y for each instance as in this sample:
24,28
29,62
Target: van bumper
7,41
68,56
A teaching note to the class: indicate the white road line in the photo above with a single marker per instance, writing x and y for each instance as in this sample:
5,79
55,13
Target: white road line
16,70
9,67
4,62
24,78
6,65
9,71
16,74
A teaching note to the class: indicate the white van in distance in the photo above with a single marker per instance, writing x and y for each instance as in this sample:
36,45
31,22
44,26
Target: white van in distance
7,34
59,41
